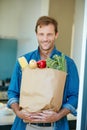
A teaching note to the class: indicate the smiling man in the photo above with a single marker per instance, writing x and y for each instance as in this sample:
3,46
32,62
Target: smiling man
47,32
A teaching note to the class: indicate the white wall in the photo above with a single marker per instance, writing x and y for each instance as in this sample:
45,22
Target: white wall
18,19
27,38
30,11
9,17
79,48
78,31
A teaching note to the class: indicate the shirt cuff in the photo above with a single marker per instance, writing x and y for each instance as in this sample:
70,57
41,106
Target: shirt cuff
11,101
71,108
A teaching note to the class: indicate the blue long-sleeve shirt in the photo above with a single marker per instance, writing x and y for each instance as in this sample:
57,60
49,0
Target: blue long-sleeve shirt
70,97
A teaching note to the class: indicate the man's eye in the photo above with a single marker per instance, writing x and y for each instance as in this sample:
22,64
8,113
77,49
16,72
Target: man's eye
49,34
41,34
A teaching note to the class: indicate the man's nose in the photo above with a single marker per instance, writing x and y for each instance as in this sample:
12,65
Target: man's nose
45,38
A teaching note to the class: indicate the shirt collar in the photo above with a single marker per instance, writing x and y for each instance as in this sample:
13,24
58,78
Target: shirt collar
54,51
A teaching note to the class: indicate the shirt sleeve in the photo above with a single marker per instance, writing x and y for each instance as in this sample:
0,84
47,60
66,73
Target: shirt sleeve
72,88
14,88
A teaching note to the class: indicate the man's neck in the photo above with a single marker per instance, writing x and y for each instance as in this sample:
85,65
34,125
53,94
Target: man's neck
45,53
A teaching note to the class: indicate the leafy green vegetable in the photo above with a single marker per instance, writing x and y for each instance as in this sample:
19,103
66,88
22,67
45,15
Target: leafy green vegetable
57,62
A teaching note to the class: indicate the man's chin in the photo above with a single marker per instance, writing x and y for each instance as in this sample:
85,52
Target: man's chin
45,49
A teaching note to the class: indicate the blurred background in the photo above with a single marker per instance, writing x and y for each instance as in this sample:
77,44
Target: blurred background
17,37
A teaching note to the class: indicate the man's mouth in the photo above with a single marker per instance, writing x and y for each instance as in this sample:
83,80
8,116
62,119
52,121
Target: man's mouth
45,42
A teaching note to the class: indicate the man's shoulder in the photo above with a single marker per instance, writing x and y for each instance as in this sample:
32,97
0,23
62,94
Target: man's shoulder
68,58
29,55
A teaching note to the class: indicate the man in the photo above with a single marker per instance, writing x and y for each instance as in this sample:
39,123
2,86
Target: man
46,32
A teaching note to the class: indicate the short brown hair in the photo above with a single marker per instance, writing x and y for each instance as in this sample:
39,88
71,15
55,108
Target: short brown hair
45,20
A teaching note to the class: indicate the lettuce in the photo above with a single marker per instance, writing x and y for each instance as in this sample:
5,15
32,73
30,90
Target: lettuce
57,62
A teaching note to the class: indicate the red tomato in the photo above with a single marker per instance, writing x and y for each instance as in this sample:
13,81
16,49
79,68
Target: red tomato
41,64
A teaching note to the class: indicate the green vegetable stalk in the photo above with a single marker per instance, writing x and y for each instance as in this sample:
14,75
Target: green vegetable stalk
57,62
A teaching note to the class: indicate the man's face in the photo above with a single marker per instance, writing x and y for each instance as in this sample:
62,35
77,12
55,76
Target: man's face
46,36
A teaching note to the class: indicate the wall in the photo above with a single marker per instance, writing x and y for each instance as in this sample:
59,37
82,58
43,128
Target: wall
30,11
78,31
79,54
17,20
27,38
9,16
63,12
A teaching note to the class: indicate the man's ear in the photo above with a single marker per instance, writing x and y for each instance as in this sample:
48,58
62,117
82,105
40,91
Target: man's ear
56,36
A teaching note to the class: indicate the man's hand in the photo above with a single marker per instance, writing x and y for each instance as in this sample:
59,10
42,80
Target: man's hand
19,112
23,114
43,117
46,116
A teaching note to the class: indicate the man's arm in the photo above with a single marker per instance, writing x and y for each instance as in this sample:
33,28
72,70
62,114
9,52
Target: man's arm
19,112
48,116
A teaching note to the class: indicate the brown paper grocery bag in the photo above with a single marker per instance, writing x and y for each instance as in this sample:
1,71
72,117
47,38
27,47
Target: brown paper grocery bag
42,89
